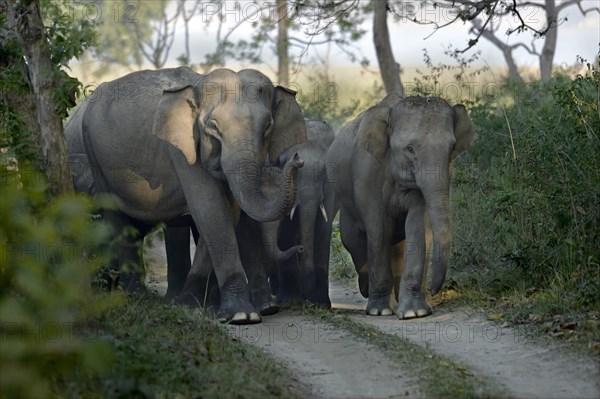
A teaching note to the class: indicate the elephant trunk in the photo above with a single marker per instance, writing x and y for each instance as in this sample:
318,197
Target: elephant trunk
269,232
437,200
245,184
308,215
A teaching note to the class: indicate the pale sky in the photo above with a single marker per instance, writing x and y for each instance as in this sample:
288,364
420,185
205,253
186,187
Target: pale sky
578,35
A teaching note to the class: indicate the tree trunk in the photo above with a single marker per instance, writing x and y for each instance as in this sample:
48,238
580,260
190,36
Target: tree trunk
26,19
388,67
283,69
547,56
16,98
513,71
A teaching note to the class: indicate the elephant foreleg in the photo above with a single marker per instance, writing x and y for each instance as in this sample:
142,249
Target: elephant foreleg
128,258
322,251
209,206
177,243
411,298
201,287
253,259
355,242
380,274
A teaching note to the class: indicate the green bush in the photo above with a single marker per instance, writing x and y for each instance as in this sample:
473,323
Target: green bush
527,220
48,252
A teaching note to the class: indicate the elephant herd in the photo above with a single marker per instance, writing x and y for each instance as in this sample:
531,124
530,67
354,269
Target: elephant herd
229,156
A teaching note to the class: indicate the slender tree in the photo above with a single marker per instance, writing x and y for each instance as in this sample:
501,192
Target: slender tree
26,19
283,58
388,67
163,24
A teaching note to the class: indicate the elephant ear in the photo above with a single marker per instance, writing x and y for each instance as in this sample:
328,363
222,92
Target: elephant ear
373,132
289,128
174,120
463,130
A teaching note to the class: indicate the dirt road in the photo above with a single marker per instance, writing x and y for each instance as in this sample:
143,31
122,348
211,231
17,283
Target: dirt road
331,363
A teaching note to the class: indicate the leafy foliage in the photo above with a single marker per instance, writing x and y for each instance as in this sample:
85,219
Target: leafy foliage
48,252
527,222
68,37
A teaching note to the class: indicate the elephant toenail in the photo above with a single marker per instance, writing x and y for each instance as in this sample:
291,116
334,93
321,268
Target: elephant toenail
239,316
254,317
410,314
386,312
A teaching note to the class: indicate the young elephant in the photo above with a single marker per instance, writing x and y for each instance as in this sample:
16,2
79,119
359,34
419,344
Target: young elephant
171,142
308,229
390,167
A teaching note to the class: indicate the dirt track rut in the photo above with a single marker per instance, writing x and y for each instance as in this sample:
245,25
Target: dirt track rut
329,363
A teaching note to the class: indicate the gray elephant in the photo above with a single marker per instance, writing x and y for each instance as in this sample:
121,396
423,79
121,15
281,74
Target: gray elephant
292,252
172,142
309,226
390,167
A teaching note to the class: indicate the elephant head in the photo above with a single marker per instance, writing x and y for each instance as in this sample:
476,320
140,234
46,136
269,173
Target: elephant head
231,123
417,138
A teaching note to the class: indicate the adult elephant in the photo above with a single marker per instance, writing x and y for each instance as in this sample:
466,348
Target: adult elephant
292,252
172,142
390,167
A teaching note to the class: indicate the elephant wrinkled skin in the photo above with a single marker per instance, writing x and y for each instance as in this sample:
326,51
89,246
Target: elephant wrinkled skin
391,170
292,252
172,142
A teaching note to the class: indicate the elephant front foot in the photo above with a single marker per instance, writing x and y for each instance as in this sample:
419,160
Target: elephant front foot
248,315
264,303
263,300
268,308
379,306
410,307
236,308
319,300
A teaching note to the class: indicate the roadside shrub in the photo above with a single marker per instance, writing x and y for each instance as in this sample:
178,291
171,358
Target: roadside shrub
527,219
48,252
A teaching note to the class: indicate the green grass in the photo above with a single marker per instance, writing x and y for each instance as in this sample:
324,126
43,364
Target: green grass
525,225
167,351
437,376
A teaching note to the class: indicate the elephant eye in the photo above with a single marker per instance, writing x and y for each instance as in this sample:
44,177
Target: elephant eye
211,124
410,149
212,128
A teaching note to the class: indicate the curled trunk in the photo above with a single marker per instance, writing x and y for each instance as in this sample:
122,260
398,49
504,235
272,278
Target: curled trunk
245,183
269,237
